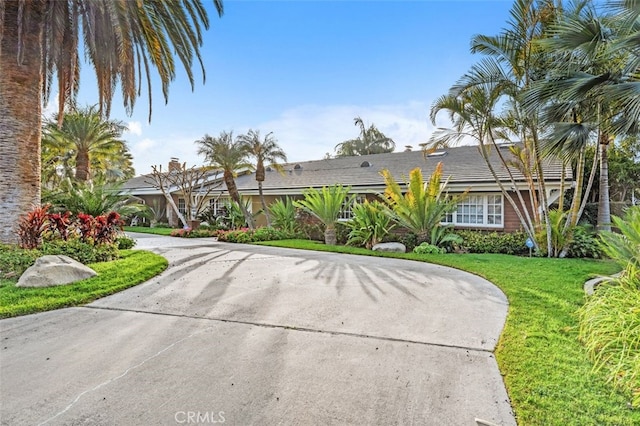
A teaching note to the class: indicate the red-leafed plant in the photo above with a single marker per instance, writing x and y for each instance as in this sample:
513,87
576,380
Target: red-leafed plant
86,227
31,227
60,223
106,228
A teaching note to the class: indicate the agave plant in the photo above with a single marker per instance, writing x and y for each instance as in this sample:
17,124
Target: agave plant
370,223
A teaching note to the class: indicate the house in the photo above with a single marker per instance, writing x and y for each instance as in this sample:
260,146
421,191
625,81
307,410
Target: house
484,208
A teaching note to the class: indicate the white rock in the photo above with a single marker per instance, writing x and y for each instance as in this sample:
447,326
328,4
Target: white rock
54,270
390,247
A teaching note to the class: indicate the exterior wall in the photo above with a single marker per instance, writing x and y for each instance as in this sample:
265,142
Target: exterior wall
511,221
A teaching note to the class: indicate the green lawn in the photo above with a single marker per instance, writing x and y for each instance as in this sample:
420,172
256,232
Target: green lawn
546,370
134,267
147,230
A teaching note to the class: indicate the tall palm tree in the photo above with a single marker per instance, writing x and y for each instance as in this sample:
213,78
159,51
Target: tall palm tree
229,155
123,41
370,141
585,89
263,151
92,140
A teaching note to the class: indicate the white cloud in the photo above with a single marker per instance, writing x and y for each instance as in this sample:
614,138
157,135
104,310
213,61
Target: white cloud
134,128
309,132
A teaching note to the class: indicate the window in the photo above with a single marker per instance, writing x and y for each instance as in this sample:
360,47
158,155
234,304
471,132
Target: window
182,206
217,205
483,210
345,212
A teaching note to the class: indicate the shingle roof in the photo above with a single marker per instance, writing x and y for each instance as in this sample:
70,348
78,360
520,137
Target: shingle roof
464,165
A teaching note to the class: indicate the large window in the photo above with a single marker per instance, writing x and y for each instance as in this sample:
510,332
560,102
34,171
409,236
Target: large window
481,210
182,206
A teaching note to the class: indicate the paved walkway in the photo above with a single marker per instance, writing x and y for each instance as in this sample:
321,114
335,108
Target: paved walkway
242,335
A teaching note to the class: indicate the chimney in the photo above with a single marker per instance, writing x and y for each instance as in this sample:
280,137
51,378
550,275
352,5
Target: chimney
174,165
408,148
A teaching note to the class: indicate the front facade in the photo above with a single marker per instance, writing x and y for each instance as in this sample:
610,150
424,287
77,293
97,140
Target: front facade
484,208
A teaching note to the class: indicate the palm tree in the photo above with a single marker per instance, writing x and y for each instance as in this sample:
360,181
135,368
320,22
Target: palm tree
229,155
263,151
326,204
123,41
583,94
370,141
91,139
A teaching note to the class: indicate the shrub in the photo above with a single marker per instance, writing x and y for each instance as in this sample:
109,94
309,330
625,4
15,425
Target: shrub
14,261
81,251
426,248
270,234
584,244
236,236
125,243
493,242
369,225
194,233
610,330
410,240
309,226
283,215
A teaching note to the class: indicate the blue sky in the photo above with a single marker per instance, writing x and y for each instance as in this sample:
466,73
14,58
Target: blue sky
305,69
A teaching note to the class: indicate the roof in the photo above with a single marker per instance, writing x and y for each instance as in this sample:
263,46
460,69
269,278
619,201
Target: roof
463,165
145,184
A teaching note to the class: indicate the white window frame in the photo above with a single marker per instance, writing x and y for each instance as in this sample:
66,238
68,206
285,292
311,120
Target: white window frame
182,206
345,211
484,216
218,203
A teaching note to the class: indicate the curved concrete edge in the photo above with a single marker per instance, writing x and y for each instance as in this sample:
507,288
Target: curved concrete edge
590,286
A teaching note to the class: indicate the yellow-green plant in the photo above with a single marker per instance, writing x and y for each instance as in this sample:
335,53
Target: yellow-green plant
370,223
283,215
325,204
420,206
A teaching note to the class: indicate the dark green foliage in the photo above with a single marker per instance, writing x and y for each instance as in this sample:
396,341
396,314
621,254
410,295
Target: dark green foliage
251,236
14,261
410,240
584,244
283,215
82,252
125,243
493,242
342,233
309,226
194,233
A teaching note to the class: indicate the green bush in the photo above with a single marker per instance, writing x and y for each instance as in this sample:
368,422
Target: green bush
493,242
426,248
283,215
82,252
194,233
14,261
370,223
124,242
410,240
584,244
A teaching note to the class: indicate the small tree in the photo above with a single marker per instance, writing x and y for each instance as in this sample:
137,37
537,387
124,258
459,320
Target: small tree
325,204
423,206
190,181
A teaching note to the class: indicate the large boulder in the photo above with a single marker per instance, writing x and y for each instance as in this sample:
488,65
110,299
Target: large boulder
54,270
390,247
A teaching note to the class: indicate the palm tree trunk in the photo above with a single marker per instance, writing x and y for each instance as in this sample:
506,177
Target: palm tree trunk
330,237
604,207
235,196
265,210
82,165
20,121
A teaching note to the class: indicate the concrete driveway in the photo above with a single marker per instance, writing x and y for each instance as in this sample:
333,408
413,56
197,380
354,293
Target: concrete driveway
242,335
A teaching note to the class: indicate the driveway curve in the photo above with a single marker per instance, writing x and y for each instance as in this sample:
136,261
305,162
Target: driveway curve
242,334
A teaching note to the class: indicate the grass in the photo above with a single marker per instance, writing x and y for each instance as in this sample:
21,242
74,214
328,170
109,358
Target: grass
547,372
147,230
134,267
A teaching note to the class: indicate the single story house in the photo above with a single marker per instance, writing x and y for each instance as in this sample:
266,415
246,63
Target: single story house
484,208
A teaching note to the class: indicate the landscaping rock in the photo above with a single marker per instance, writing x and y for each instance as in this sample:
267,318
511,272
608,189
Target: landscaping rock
54,270
390,247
